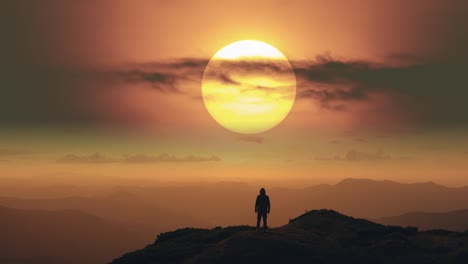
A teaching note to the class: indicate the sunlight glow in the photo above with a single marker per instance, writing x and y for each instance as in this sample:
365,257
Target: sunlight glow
249,49
249,87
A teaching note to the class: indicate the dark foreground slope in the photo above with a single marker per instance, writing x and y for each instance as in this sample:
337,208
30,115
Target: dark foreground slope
322,236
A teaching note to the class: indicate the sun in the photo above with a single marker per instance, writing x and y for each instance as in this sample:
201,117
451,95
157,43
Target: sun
249,87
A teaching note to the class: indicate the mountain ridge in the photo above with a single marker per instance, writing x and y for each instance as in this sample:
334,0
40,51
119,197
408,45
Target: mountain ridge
318,236
61,236
456,220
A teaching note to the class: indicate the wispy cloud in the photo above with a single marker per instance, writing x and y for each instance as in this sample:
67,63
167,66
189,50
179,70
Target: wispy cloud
93,158
328,158
360,140
336,84
411,88
167,76
17,152
142,158
98,158
355,155
322,159
430,92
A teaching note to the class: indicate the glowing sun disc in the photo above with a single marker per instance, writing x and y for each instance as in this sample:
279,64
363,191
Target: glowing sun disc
249,87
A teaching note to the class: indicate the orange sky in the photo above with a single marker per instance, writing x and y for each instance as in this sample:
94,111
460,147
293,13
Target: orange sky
380,90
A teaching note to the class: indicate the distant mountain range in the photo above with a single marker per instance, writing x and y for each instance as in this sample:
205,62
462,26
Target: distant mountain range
319,236
454,220
147,211
375,199
67,236
362,198
205,205
122,207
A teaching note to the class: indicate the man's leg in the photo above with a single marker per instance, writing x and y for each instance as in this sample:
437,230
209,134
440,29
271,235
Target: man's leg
259,215
265,220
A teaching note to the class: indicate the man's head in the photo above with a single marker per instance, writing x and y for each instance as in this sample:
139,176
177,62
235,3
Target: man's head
262,191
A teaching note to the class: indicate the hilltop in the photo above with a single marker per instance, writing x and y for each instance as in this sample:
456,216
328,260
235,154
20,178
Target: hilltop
319,236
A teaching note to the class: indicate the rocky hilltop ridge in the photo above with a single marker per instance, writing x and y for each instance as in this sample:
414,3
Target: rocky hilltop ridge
318,236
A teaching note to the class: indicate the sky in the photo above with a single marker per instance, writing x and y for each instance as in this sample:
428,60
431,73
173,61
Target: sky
108,89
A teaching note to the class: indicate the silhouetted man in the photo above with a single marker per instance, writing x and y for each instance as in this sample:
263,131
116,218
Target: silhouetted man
262,208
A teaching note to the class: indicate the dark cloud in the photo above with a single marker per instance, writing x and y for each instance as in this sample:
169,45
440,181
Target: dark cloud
176,71
250,139
327,94
228,80
425,74
98,158
249,66
159,81
223,78
66,95
432,92
166,76
360,77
